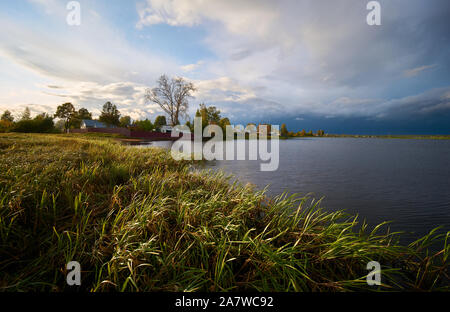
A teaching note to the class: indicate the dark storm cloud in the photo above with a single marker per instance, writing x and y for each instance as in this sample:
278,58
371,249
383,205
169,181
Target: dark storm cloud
305,59
347,52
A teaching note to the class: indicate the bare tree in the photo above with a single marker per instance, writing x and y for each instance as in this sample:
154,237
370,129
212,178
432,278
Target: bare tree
172,96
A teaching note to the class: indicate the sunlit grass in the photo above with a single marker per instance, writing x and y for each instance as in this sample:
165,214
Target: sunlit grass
137,220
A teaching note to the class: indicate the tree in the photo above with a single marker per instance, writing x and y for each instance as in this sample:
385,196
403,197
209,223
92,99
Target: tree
203,114
190,125
7,116
5,126
125,121
268,128
172,96
144,125
210,115
110,114
66,112
26,115
84,114
159,122
283,131
78,117
223,123
60,125
42,123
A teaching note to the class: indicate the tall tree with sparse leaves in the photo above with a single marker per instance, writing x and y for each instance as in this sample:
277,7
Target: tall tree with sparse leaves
172,96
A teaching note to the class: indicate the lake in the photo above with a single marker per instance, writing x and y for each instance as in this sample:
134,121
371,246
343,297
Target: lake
401,180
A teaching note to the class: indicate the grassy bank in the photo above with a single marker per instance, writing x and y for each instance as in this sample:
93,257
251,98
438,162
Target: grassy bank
138,221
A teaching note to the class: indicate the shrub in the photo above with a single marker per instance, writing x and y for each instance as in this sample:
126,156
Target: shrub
40,124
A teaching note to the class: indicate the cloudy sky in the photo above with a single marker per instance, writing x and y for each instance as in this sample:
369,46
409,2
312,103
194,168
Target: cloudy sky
312,64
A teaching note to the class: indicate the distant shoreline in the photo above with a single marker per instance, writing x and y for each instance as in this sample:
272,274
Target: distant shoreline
357,136
406,136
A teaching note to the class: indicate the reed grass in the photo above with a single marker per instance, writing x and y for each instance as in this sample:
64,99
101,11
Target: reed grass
137,220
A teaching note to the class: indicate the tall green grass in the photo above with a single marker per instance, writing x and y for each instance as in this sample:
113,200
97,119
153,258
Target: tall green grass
137,220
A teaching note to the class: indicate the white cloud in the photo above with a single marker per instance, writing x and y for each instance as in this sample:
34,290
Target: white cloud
237,16
274,58
49,6
415,71
191,67
222,89
308,56
128,96
86,65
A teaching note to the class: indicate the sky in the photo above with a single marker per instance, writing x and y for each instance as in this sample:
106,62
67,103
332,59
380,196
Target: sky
307,63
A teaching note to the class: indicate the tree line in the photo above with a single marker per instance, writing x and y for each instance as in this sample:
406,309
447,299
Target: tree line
42,123
170,94
289,134
173,95
70,118
110,116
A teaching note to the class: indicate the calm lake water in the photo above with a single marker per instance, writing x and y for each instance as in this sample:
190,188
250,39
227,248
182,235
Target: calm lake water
399,180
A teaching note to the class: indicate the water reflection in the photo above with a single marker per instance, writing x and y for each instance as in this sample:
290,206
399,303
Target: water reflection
404,181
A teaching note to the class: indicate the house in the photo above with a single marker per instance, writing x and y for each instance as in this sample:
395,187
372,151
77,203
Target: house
92,124
166,129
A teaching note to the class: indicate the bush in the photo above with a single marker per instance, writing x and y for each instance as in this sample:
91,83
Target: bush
6,126
144,125
40,124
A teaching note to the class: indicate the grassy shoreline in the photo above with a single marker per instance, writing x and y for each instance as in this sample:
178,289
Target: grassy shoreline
137,220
